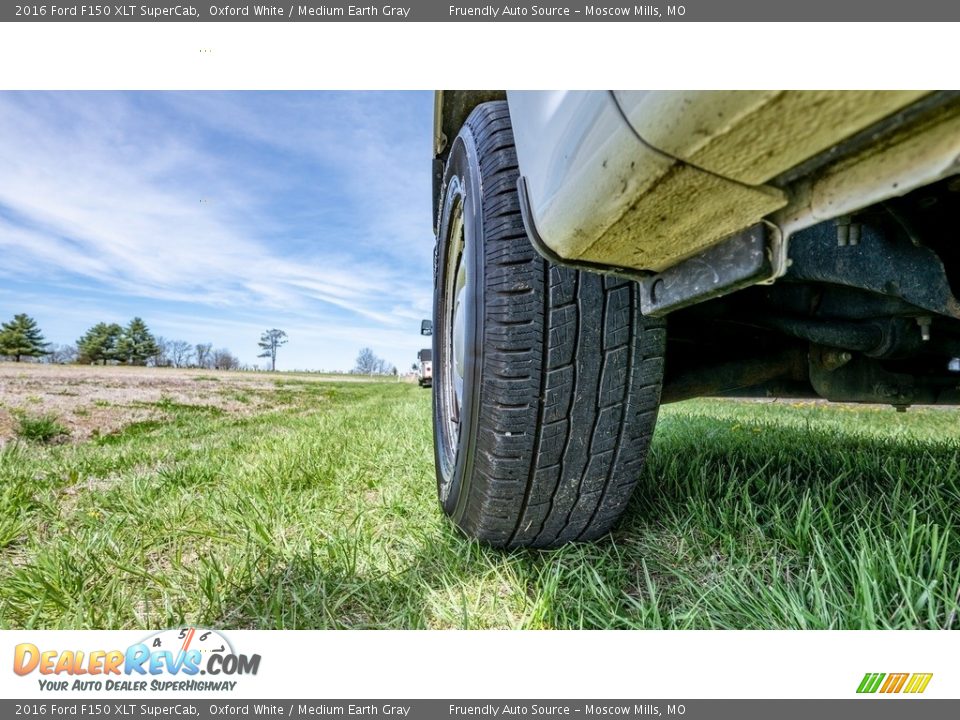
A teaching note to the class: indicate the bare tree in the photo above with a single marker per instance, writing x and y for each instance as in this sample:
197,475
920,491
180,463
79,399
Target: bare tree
180,353
204,355
270,341
161,358
369,364
60,354
223,359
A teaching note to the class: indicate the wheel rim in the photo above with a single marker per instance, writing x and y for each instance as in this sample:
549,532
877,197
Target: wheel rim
459,329
454,337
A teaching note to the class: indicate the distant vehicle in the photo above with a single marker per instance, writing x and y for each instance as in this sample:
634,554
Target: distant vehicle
599,253
425,367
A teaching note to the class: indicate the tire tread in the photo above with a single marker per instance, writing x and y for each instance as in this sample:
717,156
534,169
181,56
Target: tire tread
570,380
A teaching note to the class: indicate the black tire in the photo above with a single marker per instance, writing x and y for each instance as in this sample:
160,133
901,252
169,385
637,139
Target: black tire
561,374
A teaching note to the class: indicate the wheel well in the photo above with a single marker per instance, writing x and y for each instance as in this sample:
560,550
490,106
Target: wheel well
450,110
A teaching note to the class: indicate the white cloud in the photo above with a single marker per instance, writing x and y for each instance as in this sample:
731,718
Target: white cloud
94,186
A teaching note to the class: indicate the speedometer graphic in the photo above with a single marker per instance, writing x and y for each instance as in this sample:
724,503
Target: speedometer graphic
181,640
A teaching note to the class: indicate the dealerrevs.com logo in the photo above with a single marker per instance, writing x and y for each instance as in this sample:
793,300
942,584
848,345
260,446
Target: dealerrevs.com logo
169,660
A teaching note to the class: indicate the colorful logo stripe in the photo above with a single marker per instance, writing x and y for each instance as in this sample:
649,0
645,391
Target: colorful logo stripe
918,682
894,682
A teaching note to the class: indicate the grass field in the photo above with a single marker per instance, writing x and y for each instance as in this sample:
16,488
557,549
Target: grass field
275,501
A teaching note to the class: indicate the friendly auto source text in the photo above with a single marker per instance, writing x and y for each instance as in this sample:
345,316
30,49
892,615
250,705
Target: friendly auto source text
492,710
495,11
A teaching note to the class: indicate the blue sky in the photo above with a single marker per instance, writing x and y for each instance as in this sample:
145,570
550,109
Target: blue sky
217,215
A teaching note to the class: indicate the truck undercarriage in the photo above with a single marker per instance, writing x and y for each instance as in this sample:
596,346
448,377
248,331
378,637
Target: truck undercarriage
864,313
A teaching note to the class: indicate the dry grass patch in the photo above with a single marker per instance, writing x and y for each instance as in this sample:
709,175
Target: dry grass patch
92,401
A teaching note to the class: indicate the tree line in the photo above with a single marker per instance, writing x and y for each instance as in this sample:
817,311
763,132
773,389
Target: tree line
113,344
134,344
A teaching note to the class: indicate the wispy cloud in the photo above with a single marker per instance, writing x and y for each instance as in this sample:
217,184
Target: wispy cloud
310,207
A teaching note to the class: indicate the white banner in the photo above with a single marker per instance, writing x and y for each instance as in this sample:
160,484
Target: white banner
475,664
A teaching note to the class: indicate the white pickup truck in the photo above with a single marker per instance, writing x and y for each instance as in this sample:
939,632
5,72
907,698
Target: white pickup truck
599,253
425,367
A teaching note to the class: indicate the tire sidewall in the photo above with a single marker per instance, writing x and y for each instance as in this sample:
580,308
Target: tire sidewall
462,185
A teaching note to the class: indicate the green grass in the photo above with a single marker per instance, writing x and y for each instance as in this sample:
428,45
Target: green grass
39,428
321,513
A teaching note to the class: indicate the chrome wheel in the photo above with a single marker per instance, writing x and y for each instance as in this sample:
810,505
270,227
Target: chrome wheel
453,332
459,318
